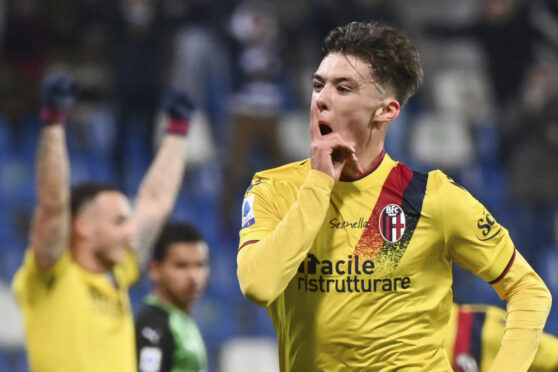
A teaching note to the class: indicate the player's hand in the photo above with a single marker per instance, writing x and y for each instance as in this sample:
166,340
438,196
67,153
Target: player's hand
179,107
58,92
58,96
330,153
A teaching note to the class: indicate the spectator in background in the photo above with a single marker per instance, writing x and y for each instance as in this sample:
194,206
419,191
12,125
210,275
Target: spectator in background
530,135
87,246
508,38
23,60
25,40
140,52
167,336
200,59
258,101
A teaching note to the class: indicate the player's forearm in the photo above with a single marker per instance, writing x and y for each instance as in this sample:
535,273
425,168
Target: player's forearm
529,303
158,191
265,268
52,170
160,186
49,231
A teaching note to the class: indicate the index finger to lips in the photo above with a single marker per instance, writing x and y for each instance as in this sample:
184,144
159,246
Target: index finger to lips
314,125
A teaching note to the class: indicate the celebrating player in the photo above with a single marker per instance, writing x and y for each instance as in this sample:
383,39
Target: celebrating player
86,246
352,251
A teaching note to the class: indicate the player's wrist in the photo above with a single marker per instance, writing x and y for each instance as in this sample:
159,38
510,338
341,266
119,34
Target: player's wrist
179,127
58,95
52,116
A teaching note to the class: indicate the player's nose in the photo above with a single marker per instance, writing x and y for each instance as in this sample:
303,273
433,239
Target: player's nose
322,99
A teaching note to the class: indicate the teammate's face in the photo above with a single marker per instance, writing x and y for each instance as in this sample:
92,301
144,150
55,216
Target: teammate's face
111,229
347,98
182,275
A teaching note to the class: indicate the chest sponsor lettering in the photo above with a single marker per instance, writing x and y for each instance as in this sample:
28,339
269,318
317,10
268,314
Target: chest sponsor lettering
347,275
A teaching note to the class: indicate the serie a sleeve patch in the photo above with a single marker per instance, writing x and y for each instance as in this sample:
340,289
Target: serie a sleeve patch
248,215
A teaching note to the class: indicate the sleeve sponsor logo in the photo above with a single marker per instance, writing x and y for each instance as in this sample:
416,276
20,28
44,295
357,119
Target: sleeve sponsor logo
150,359
248,216
487,227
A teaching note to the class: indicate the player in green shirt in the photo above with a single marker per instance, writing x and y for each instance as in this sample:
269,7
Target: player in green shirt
167,337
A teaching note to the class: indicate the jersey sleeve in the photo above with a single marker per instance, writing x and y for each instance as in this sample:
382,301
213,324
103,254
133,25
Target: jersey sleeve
273,245
475,240
154,340
528,305
31,284
259,213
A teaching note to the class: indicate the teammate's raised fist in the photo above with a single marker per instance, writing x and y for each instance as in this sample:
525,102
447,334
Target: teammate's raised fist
179,107
58,95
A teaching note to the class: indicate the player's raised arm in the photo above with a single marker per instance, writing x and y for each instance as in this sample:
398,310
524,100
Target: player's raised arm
271,250
159,188
49,233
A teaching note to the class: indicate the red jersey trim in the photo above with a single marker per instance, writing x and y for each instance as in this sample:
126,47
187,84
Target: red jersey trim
505,270
246,243
367,172
392,192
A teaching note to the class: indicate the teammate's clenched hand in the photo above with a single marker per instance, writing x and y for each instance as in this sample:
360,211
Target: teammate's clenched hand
179,107
58,95
330,153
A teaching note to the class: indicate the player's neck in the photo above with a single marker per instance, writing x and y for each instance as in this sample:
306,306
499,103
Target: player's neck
168,299
369,150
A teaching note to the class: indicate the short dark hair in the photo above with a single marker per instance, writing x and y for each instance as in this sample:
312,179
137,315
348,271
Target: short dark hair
174,232
394,59
84,192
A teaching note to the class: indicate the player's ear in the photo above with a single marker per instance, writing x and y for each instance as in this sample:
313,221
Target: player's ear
154,270
82,225
387,111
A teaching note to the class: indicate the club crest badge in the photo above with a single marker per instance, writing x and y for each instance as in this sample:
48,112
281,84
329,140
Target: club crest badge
248,216
392,223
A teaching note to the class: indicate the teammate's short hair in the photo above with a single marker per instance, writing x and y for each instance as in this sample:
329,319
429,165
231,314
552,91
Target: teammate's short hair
394,59
175,232
84,192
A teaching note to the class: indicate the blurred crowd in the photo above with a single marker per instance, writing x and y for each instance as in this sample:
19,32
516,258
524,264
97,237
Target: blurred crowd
487,113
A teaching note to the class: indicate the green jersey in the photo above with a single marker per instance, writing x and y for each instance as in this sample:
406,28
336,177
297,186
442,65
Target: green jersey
168,339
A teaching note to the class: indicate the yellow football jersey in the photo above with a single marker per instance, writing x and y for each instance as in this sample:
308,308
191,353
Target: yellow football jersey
76,320
371,291
475,332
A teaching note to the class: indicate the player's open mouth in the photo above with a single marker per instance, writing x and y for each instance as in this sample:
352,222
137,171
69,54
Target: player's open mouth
325,129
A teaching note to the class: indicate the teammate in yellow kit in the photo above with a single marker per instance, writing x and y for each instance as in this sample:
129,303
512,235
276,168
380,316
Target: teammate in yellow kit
85,248
474,335
351,251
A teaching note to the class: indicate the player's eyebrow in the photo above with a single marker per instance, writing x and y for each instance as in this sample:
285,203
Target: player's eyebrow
341,79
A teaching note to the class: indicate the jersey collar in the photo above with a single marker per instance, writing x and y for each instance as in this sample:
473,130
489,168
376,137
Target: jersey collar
370,170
